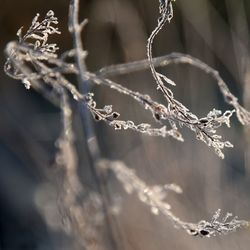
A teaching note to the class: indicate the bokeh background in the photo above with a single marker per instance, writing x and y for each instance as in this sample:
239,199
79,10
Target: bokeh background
217,32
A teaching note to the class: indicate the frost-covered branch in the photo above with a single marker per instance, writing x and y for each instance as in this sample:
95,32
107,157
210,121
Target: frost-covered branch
29,64
205,127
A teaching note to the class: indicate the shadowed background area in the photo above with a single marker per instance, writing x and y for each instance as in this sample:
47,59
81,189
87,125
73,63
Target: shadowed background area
216,32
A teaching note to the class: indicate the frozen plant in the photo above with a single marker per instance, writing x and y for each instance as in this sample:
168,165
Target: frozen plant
34,61
33,48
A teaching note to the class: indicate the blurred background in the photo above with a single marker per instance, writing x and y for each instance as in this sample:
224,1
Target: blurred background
217,32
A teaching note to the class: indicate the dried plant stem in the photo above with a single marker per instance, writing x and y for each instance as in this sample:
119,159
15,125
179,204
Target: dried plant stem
75,29
94,152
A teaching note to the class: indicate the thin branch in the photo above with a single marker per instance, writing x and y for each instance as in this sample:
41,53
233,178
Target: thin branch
92,144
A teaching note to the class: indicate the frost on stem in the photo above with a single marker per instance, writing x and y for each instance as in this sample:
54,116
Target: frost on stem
155,198
39,32
177,58
204,128
217,226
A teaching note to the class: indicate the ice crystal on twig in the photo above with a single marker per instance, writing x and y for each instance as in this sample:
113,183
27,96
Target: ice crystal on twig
39,32
216,226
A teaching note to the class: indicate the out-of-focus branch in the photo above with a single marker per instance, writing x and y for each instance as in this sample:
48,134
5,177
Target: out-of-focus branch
92,144
75,29
155,198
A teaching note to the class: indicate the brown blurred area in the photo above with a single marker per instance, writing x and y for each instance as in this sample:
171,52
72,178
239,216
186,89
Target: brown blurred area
217,32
